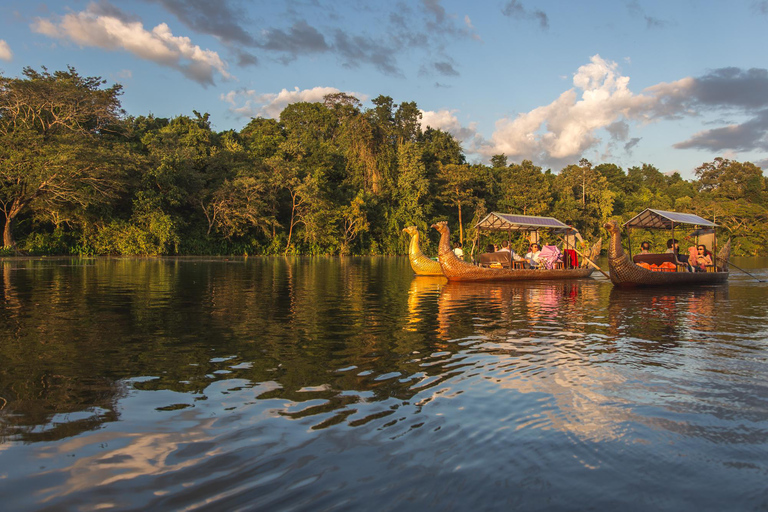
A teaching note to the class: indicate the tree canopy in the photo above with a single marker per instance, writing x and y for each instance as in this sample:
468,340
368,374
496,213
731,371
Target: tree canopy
79,176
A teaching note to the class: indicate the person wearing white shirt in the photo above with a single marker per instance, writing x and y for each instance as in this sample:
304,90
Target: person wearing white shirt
534,256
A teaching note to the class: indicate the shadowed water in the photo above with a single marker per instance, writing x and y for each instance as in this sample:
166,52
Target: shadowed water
350,384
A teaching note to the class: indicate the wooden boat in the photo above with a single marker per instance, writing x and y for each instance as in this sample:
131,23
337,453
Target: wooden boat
420,264
625,273
455,269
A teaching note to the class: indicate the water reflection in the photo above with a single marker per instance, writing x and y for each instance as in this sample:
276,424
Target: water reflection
666,316
264,383
421,294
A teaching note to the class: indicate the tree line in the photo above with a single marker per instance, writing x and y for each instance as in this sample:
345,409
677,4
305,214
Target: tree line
78,175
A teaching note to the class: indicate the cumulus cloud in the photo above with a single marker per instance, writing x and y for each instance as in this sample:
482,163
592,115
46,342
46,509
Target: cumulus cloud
110,29
568,126
222,19
249,103
5,51
447,121
602,103
515,9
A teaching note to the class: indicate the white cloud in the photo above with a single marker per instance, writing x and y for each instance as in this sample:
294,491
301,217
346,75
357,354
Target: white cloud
447,121
568,126
89,28
5,51
249,103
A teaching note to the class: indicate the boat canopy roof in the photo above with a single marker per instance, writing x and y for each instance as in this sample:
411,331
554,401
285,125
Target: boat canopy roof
496,221
660,219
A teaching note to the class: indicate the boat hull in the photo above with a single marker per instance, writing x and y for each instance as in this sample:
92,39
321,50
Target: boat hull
455,269
626,274
424,266
461,271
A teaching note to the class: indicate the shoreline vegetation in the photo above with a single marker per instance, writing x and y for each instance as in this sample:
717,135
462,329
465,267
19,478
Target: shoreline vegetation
79,176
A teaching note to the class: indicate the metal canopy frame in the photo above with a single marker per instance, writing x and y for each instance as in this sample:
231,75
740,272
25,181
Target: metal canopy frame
660,219
496,221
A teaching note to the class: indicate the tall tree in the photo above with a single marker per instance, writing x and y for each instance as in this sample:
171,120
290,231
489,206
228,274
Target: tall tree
55,142
525,189
458,183
732,180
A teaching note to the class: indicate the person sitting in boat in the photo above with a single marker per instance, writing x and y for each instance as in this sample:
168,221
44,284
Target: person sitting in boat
534,255
458,251
703,259
506,248
645,247
673,246
550,256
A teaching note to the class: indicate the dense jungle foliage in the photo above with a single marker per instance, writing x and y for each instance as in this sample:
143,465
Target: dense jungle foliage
79,176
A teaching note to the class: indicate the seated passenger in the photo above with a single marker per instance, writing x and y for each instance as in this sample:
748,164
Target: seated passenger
550,256
458,251
703,258
506,248
534,255
645,247
674,247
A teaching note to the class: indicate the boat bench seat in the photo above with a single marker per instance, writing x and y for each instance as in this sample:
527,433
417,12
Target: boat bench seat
504,258
655,259
658,259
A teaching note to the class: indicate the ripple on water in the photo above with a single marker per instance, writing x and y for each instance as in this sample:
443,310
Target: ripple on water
347,384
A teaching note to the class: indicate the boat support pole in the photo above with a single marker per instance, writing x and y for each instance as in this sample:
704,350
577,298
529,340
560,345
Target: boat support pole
591,262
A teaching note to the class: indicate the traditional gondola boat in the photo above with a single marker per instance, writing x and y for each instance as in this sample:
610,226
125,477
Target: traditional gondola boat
421,264
625,273
455,269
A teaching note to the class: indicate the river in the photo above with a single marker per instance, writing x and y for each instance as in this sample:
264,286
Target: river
349,384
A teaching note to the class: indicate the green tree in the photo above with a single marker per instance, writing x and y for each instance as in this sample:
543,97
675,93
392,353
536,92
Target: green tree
458,183
732,180
583,195
499,161
57,144
525,190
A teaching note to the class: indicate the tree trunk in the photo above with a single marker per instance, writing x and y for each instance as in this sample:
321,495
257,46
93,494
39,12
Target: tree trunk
461,227
8,242
290,228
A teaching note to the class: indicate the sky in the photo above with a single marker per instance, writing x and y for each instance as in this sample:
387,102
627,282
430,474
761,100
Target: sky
672,83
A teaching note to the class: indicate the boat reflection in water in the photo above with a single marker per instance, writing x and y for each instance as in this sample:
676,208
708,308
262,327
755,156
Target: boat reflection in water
420,294
530,305
538,342
673,316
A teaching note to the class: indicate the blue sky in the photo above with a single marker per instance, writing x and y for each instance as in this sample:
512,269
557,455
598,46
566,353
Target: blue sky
672,83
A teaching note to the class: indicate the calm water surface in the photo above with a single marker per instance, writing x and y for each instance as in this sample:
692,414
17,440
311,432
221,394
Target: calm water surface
327,384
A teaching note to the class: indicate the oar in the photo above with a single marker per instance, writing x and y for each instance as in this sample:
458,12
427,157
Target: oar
749,274
590,261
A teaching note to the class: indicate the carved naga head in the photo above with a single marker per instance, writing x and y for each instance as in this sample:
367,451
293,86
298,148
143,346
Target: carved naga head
411,230
441,226
612,227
